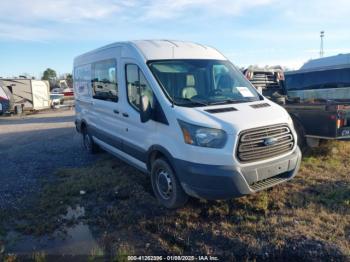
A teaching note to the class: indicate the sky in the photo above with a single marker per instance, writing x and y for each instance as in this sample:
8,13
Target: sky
38,34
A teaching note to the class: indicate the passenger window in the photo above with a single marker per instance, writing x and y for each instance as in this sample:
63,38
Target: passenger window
136,85
104,81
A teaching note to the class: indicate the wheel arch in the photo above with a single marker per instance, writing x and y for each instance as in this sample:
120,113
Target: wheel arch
299,128
80,125
157,151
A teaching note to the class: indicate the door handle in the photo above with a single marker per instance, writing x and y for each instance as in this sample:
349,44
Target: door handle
125,115
115,111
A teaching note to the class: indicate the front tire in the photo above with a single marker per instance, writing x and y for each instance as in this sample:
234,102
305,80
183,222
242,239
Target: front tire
88,143
166,186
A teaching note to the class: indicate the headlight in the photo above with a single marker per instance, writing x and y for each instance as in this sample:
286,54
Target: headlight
203,136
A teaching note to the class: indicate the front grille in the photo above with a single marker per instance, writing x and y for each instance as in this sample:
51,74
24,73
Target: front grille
269,182
264,142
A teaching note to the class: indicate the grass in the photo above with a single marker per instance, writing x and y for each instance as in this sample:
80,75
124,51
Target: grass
306,218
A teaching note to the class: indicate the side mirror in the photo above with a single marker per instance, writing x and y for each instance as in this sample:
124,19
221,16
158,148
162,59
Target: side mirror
145,109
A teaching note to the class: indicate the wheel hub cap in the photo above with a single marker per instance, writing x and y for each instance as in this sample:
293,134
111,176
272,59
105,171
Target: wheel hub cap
164,184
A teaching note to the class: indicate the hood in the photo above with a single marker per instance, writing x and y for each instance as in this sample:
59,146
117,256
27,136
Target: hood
234,118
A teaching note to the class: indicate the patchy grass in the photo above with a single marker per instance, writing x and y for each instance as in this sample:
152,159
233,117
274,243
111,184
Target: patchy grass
306,218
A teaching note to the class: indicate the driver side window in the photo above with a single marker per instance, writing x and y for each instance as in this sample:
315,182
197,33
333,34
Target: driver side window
137,84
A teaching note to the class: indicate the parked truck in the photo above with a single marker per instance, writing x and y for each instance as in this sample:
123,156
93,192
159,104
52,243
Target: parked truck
27,94
317,96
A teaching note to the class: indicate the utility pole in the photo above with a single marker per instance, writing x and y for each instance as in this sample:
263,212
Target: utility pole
321,47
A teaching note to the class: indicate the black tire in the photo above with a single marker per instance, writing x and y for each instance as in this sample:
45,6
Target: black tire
166,186
301,135
88,143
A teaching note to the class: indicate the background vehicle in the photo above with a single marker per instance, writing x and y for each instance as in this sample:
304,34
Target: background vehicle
28,94
6,100
268,79
317,96
56,99
183,113
320,95
66,90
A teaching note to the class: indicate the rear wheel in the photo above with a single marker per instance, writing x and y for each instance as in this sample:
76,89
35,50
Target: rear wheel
88,143
166,186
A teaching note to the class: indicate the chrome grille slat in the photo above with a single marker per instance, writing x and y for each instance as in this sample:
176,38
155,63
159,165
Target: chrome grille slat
261,139
268,132
258,148
252,146
267,154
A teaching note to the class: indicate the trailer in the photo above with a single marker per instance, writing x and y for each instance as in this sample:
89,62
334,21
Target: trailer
6,100
28,94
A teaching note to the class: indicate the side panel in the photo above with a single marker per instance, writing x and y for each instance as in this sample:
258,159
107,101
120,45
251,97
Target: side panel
326,93
82,91
41,95
315,120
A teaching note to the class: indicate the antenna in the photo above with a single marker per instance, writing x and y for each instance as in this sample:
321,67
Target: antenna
321,47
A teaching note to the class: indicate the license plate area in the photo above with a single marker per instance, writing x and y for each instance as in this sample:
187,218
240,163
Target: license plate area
273,170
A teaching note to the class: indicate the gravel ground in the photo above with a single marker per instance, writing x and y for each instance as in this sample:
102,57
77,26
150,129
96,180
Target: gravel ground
34,146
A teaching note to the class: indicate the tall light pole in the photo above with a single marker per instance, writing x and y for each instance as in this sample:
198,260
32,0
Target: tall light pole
321,47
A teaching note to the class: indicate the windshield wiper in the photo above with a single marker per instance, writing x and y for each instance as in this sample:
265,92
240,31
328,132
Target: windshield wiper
193,101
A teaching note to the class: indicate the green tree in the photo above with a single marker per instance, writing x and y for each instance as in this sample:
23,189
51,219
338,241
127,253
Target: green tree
49,74
69,79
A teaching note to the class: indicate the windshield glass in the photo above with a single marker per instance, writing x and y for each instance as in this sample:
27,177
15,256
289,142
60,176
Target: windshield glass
55,96
202,82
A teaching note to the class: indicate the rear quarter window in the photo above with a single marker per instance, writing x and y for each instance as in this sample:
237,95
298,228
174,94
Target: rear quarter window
82,80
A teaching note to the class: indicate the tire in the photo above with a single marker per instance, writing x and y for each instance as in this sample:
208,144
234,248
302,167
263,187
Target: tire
88,143
166,186
301,135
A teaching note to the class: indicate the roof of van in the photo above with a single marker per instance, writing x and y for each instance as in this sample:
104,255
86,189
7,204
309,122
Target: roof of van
330,62
168,49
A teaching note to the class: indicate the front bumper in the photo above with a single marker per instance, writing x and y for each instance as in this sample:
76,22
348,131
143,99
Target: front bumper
224,182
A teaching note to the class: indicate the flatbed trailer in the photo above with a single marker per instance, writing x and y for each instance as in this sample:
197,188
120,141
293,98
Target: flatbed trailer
315,120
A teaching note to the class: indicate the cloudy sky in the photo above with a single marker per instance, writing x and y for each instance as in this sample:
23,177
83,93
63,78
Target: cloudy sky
37,34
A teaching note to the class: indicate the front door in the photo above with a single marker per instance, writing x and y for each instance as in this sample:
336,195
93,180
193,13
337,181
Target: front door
139,135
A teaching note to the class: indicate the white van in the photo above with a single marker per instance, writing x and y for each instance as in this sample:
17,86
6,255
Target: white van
184,114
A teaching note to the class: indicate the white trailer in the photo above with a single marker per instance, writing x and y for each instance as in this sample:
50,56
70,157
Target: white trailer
28,93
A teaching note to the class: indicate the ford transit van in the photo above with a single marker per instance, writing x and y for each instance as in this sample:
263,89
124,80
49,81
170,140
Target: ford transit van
183,113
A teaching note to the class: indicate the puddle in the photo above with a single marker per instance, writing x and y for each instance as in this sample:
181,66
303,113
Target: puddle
78,239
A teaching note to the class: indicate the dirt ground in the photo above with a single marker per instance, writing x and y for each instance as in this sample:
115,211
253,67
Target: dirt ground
102,208
31,148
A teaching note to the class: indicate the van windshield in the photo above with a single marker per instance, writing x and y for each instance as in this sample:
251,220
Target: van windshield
202,82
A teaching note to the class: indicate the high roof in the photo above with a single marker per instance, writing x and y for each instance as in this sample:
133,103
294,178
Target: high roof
169,49
159,50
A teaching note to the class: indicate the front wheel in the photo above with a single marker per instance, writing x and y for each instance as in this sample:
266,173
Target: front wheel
88,143
166,186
